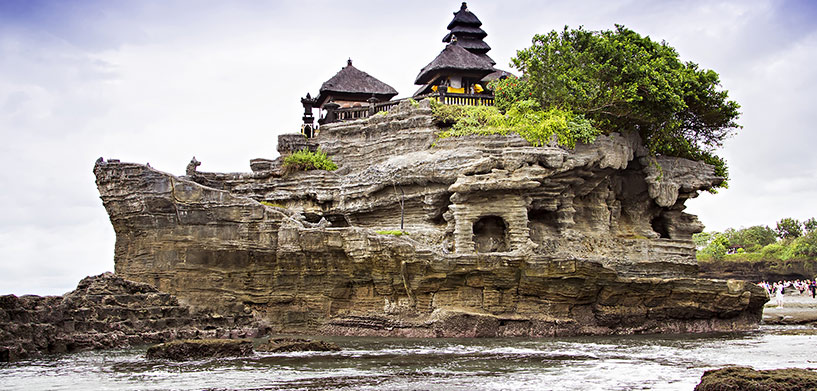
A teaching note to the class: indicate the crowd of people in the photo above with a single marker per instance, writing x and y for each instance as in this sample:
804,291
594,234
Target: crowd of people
780,288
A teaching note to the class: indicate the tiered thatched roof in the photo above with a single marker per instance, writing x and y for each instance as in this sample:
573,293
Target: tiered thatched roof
455,59
465,27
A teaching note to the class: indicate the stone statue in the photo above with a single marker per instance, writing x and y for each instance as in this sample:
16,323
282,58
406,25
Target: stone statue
191,167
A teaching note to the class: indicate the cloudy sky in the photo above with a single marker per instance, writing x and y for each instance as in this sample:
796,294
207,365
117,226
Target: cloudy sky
160,81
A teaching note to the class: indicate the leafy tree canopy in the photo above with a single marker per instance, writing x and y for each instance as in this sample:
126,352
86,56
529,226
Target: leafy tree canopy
810,225
623,82
752,238
789,228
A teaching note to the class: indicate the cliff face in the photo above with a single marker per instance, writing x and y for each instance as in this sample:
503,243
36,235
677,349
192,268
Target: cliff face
504,238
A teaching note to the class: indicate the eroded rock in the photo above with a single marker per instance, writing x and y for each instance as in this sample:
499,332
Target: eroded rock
748,379
105,311
280,345
197,349
505,239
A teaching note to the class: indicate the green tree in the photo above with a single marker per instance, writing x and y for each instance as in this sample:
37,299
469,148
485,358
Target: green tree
623,82
789,228
751,239
805,246
717,247
702,239
810,225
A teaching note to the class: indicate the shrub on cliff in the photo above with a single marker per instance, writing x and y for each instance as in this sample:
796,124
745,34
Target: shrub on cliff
305,160
525,118
624,82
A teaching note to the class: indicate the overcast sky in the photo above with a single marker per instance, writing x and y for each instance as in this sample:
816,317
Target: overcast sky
161,81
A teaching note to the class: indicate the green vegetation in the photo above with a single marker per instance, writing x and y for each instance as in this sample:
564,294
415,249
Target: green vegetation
392,232
760,243
509,91
622,82
273,204
305,160
525,118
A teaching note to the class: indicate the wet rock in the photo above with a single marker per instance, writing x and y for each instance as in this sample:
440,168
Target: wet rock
279,345
748,379
196,349
105,311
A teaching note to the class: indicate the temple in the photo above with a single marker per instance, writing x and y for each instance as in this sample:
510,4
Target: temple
459,75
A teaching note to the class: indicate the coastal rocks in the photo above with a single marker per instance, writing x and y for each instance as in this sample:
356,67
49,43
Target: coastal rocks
748,379
196,349
281,345
504,239
105,311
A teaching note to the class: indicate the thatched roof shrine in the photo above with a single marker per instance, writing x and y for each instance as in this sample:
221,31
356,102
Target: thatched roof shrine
352,84
455,59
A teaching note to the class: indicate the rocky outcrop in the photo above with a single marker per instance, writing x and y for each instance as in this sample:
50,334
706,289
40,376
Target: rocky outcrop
197,349
105,311
761,270
748,379
505,239
282,345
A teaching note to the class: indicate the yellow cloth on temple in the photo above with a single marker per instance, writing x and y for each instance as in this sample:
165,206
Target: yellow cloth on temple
478,88
434,88
456,90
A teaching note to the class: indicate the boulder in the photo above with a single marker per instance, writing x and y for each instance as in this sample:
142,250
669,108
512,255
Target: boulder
748,379
196,349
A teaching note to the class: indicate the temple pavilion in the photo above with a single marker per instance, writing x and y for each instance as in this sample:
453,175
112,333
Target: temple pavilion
458,75
463,67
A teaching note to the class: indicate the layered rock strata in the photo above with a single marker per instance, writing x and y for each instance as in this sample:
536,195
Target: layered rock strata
105,311
504,239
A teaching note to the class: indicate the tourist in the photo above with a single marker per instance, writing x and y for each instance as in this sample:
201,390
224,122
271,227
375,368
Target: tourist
778,294
812,286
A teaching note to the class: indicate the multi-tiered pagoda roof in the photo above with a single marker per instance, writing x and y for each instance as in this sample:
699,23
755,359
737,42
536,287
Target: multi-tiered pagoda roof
465,29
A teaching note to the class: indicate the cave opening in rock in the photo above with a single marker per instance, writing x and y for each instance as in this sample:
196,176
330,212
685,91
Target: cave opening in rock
659,225
542,224
490,235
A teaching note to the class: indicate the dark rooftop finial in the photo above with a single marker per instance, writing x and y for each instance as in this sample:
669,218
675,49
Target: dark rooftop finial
464,6
349,61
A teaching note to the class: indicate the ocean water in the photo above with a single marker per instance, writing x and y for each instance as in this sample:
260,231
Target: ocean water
644,362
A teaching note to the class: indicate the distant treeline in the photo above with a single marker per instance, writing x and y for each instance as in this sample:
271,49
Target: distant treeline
790,239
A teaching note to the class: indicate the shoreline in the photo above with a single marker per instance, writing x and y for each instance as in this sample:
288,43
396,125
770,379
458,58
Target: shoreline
796,310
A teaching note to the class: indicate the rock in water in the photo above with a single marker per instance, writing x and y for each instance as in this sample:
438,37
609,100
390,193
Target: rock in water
105,311
196,349
504,238
748,379
279,345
